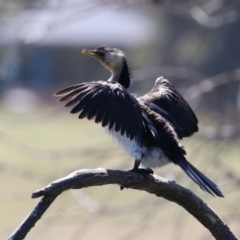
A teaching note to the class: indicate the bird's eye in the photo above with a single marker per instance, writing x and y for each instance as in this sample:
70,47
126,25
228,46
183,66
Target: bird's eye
101,54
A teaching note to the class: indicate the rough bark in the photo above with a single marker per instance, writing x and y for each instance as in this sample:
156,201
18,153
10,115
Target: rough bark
151,184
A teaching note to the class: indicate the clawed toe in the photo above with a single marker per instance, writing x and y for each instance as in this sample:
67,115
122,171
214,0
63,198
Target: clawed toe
143,171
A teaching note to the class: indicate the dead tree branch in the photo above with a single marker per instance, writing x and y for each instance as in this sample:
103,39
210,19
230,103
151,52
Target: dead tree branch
151,184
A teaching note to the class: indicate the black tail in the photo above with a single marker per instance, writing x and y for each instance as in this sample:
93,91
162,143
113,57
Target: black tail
205,183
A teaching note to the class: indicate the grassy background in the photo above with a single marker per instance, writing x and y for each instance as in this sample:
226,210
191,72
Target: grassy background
40,146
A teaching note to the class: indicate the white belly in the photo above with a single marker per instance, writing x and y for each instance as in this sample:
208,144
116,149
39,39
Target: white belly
153,157
131,146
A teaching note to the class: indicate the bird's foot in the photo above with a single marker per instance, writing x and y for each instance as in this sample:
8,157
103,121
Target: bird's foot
142,171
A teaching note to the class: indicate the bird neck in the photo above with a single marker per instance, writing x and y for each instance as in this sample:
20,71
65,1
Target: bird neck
123,76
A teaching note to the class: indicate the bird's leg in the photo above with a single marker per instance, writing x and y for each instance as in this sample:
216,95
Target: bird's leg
142,171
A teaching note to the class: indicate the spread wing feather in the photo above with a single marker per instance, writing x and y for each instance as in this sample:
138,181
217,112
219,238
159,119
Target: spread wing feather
109,104
169,103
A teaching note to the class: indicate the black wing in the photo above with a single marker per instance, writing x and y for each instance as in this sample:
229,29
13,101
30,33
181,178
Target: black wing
167,101
107,103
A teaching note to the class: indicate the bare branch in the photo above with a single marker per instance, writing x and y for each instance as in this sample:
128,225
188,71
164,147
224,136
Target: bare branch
211,84
224,132
151,184
201,17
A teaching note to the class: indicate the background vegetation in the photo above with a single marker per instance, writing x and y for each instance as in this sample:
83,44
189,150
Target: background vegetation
195,44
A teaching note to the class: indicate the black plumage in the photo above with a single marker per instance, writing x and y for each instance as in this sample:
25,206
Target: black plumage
150,127
109,104
164,99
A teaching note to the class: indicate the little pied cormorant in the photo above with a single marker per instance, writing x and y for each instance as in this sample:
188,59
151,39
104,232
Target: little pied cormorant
147,127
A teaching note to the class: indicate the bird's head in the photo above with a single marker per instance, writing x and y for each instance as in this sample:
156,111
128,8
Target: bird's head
111,58
115,61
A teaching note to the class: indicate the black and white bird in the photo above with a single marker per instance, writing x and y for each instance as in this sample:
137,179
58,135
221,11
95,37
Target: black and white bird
149,128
